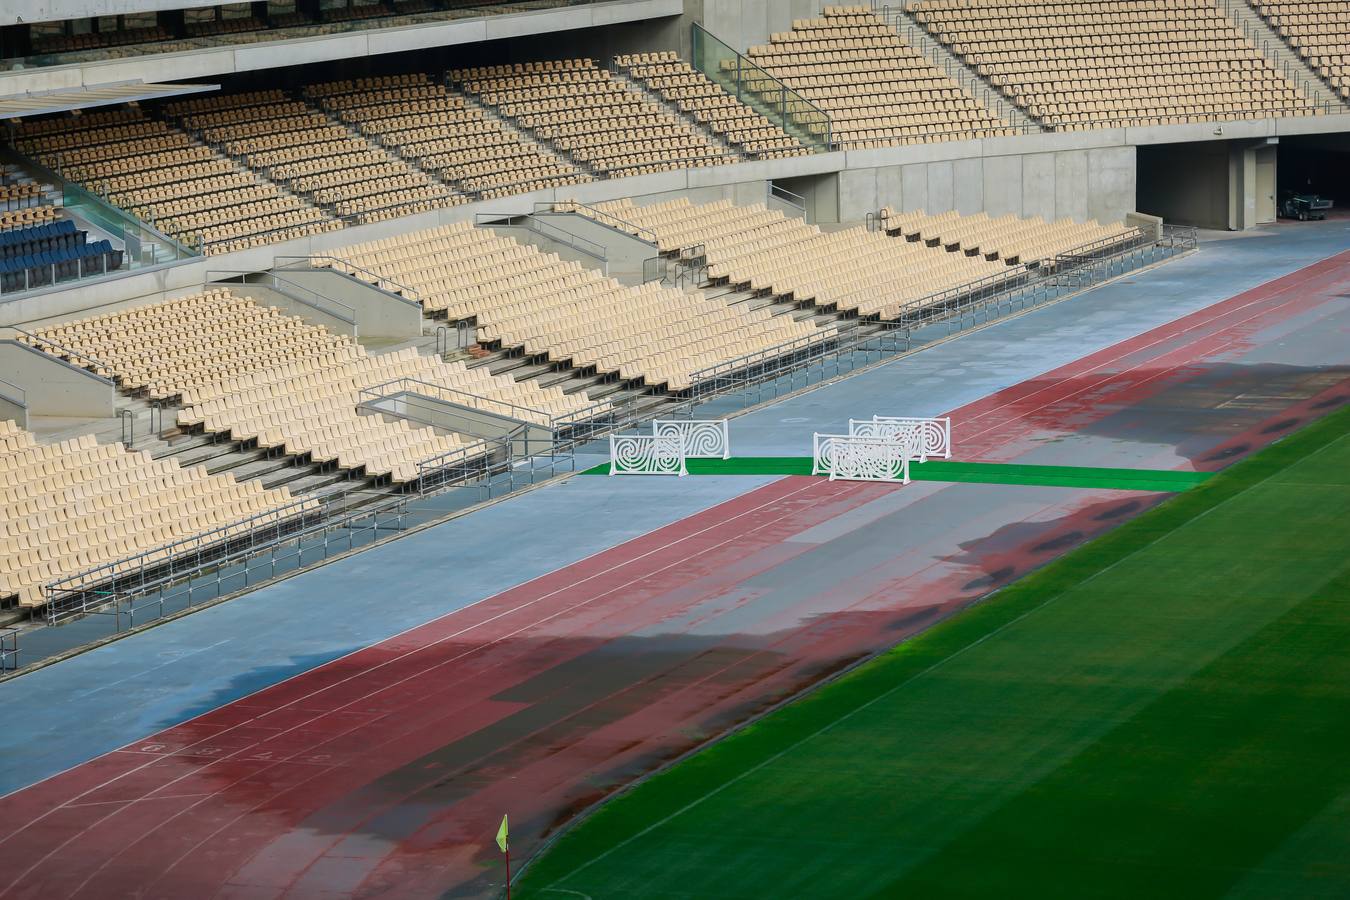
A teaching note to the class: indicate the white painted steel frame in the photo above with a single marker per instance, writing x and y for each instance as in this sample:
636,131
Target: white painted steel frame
703,438
646,454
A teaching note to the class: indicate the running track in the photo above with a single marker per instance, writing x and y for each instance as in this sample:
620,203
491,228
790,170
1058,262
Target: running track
385,772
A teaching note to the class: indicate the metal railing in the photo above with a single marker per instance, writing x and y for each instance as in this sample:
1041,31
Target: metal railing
440,392
38,342
780,368
9,649
374,279
291,290
778,192
90,590
545,229
13,394
574,207
305,528
756,88
656,268
868,342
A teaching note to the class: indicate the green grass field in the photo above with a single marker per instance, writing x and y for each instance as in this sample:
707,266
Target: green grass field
1165,712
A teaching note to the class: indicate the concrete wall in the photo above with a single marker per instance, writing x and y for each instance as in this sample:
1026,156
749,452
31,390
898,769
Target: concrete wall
1186,184
336,47
16,11
745,23
377,313
53,387
13,406
1080,184
440,412
263,292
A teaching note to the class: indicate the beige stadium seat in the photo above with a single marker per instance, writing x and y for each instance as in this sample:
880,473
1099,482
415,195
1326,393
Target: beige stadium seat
1319,31
300,147
595,121
170,179
72,506
702,99
1124,62
523,298
853,270
259,375
446,134
877,90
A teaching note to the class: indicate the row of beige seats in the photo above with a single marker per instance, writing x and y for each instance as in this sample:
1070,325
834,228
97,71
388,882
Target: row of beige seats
205,200
843,78
204,338
698,96
89,40
28,216
1191,36
280,136
258,375
76,505
581,109
576,315
851,270
1012,239
1319,31
459,143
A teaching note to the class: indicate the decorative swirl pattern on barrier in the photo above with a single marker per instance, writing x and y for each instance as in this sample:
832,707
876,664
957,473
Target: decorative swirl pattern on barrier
646,454
865,459
702,439
932,437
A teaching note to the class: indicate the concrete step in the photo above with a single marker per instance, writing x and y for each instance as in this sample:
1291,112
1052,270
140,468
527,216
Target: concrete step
1285,59
526,372
506,364
941,58
305,480
549,379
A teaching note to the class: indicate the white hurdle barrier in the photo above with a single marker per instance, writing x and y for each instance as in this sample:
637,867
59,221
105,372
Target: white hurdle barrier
933,437
647,454
862,458
703,438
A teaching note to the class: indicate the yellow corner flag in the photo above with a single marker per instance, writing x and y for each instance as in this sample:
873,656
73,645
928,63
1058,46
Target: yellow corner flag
501,835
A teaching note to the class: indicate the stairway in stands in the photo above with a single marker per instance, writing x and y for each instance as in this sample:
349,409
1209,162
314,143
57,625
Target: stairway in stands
941,58
1285,59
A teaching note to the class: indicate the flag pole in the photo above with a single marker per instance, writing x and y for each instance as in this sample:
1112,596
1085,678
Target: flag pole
508,872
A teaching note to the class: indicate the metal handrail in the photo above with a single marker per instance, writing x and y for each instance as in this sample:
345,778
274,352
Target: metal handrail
379,280
396,385
788,197
344,312
599,215
20,400
89,361
700,36
689,162
98,587
561,235
441,462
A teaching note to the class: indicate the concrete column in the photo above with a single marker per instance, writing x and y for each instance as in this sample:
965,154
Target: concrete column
1241,188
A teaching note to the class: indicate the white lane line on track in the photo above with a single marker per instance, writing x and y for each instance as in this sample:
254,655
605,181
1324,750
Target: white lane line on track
1126,351
391,661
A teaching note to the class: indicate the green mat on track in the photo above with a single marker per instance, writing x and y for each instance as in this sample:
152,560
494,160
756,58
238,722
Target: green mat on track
1162,713
969,472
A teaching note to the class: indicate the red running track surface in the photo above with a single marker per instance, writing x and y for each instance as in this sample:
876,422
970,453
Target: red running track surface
385,773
